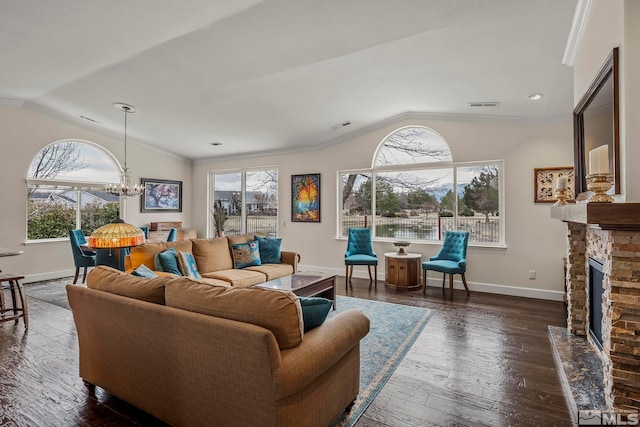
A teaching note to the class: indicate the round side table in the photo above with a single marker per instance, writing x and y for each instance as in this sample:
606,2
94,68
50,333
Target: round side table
402,271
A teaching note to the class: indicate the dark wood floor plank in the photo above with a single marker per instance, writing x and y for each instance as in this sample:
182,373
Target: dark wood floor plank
483,360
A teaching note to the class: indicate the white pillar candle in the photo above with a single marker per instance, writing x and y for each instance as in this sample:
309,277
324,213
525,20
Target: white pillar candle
599,160
562,183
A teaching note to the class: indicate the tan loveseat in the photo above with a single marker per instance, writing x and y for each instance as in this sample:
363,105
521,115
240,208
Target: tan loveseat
214,260
195,354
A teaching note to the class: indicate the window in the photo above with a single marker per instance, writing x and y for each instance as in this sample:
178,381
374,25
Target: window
419,193
250,199
64,190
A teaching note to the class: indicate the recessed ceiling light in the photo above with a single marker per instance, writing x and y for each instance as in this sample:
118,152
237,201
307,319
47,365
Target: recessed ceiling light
535,96
216,143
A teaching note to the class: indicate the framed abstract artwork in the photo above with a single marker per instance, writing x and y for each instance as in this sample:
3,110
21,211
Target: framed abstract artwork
545,183
305,198
161,195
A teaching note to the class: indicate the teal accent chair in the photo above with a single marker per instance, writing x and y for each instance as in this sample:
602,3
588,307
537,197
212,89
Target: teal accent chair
80,258
452,259
360,252
145,230
173,235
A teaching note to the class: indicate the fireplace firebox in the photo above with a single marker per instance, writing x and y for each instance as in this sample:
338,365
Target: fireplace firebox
596,288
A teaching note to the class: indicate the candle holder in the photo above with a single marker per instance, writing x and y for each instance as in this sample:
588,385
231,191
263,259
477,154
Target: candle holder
561,196
599,184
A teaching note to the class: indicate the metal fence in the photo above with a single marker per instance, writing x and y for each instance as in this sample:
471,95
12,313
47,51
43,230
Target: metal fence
262,224
427,228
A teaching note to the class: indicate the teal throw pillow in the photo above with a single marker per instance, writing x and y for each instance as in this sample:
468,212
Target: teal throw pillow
144,271
246,254
314,311
269,249
188,265
169,261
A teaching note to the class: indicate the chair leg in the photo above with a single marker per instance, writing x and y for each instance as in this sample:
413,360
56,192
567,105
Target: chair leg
84,274
464,282
424,281
451,286
370,278
375,276
23,303
346,277
444,276
75,279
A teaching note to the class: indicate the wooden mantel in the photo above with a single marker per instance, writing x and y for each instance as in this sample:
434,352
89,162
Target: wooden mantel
607,216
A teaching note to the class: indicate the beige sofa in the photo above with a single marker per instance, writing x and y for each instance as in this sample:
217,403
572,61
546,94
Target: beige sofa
214,260
195,354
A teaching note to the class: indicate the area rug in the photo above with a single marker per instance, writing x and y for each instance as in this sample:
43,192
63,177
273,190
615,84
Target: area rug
51,291
394,329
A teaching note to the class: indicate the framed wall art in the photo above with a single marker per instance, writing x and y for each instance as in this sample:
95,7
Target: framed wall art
305,198
161,195
546,181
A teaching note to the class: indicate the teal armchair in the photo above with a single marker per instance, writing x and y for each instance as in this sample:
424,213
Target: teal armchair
452,259
80,258
173,235
360,252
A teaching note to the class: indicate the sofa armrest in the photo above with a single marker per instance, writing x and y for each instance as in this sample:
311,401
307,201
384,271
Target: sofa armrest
291,258
321,348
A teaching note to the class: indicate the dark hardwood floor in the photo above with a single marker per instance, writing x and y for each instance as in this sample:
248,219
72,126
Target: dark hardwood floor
481,360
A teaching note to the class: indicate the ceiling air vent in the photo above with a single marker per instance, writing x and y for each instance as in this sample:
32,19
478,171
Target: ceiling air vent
484,104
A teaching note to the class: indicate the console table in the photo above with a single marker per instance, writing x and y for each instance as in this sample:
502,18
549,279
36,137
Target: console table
402,271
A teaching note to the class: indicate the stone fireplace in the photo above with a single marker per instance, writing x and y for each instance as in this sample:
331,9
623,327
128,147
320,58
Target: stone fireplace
608,233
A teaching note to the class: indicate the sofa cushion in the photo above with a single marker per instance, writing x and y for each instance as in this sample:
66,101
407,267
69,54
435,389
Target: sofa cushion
238,278
273,271
188,266
114,281
167,261
144,271
314,311
212,254
278,311
269,249
246,254
144,254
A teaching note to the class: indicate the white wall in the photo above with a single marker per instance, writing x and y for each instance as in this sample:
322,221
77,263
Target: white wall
534,240
613,23
23,132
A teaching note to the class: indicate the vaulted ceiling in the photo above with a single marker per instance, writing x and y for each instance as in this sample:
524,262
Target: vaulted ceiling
276,75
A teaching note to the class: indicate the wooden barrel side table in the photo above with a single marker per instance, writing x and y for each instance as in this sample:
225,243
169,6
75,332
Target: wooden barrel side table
402,271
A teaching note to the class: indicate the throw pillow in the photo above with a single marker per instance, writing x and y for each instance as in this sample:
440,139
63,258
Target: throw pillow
269,249
169,261
188,265
144,271
314,311
246,254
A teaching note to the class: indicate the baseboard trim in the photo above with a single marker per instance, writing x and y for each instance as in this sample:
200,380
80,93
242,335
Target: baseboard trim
490,288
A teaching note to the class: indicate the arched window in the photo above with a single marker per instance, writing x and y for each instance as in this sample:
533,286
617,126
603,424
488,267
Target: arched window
64,189
414,191
412,145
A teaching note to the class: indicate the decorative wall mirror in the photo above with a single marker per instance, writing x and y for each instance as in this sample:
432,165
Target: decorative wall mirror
595,123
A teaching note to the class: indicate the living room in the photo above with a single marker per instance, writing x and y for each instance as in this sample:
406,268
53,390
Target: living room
533,240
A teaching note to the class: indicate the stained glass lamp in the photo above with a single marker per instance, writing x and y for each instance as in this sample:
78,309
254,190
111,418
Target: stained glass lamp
116,235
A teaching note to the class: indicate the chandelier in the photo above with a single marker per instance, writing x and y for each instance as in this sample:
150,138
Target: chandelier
124,188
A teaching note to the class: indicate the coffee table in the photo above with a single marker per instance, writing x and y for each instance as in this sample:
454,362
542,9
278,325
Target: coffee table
306,284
